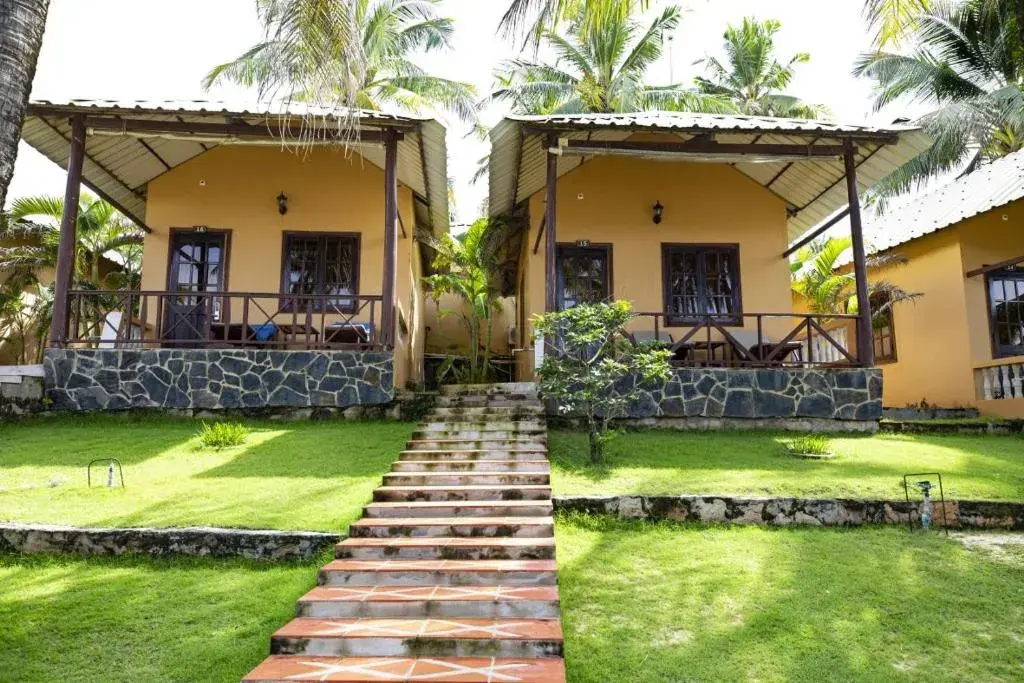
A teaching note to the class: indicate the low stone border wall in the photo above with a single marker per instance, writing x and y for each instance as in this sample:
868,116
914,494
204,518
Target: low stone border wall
783,424
967,514
926,427
199,541
20,393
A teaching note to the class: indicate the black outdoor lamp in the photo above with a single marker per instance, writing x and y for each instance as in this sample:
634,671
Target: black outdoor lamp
282,203
658,211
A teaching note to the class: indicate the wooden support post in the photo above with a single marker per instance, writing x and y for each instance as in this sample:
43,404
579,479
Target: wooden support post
865,342
550,275
387,316
68,239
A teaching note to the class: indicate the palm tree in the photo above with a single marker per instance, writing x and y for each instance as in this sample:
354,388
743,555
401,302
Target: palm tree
466,266
895,20
534,18
31,235
388,32
753,79
968,65
600,70
21,35
818,279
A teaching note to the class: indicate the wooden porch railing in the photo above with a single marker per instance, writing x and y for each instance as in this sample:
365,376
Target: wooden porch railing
161,319
800,340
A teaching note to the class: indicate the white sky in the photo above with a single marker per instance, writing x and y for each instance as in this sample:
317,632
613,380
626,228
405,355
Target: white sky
144,49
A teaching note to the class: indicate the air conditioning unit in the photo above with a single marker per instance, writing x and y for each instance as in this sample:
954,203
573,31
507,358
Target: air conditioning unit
513,337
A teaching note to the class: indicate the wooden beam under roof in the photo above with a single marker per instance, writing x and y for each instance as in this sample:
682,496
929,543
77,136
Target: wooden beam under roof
117,124
703,146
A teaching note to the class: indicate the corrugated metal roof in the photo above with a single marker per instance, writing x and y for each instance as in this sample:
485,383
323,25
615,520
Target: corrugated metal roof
991,186
812,189
119,168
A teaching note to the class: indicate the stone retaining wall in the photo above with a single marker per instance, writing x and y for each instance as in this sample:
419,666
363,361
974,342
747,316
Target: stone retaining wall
768,393
212,379
786,511
20,395
200,541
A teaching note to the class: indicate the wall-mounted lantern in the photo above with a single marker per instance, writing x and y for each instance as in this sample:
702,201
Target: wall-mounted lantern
282,203
658,212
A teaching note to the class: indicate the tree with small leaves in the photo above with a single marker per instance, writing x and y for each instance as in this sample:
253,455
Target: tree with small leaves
588,357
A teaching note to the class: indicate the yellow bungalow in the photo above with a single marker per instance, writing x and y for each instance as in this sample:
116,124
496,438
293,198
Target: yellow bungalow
689,217
280,266
961,344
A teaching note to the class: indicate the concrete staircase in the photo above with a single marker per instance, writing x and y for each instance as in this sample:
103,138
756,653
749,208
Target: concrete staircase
450,575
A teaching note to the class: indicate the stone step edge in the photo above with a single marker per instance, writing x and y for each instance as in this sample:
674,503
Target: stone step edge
309,668
398,594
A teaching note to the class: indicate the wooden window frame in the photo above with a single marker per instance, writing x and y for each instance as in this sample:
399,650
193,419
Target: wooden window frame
993,338
606,247
881,359
673,320
287,235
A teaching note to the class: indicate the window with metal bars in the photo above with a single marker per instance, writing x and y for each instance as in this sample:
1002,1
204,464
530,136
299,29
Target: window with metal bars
1006,311
701,281
322,263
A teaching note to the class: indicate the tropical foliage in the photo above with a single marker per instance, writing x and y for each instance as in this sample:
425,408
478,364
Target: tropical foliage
893,20
31,235
967,63
359,53
588,355
534,18
826,288
752,77
600,69
466,267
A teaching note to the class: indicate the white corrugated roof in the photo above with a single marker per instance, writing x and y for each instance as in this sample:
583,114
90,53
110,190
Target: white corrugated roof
119,168
812,189
991,186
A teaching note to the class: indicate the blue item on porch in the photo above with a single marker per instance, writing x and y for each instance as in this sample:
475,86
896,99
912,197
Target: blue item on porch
264,331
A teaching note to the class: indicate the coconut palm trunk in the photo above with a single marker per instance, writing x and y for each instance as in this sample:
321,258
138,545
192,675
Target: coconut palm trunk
21,35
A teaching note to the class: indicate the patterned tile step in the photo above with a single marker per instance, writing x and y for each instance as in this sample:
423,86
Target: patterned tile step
477,444
488,423
478,434
439,573
419,637
298,669
521,527
461,508
471,466
383,601
515,453
442,493
465,478
446,549
501,411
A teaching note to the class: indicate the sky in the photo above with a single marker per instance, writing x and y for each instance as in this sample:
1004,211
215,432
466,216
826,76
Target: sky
150,50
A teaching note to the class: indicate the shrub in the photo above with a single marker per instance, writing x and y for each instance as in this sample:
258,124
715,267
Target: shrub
809,444
222,435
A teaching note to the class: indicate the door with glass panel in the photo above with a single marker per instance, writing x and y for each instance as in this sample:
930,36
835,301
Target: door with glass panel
197,266
584,275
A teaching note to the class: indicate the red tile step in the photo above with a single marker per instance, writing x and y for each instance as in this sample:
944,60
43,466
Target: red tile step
419,637
520,527
477,455
446,549
383,601
466,478
460,508
299,669
518,465
438,573
443,493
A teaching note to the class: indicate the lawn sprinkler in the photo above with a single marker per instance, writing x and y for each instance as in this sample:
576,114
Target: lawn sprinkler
111,463
925,486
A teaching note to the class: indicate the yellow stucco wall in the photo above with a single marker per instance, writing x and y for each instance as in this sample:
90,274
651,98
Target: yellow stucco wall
234,188
609,200
447,334
944,336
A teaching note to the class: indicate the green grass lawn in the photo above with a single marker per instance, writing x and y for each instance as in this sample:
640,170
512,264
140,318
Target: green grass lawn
106,620
756,463
667,602
309,475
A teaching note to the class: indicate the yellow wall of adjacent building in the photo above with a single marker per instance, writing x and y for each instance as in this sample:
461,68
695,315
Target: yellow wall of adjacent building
609,200
234,188
447,334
